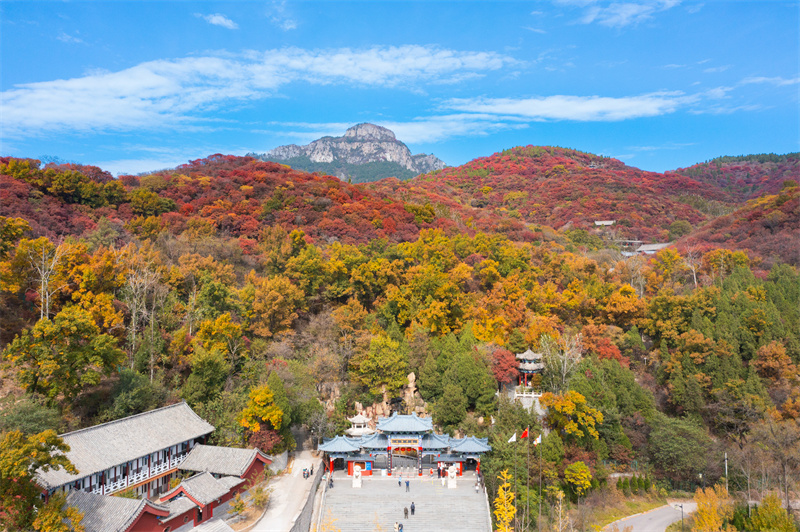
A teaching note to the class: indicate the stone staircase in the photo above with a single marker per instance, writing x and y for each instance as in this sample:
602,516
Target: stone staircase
379,503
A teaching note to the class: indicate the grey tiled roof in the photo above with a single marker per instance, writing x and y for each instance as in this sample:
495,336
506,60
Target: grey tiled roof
531,366
178,506
204,488
405,423
653,247
373,441
220,460
435,441
213,525
470,445
529,355
101,447
102,513
340,444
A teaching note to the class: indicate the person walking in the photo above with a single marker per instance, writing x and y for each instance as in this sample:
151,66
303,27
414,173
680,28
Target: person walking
396,527
405,513
401,527
400,481
407,486
413,508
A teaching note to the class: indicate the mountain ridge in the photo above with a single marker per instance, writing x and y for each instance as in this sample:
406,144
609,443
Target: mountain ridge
361,145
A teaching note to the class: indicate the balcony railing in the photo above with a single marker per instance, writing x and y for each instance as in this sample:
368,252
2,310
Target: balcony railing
159,468
177,459
116,485
527,391
135,478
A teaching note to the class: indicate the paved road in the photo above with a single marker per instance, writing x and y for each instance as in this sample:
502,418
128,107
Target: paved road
655,520
289,494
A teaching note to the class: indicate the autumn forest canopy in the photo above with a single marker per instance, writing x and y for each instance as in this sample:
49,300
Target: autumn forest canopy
270,299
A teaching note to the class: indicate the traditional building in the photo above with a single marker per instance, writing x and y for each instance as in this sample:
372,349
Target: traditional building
117,514
652,249
530,364
360,426
103,513
246,464
407,436
199,498
140,452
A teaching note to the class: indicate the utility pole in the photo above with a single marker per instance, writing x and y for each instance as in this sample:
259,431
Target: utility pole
726,471
681,505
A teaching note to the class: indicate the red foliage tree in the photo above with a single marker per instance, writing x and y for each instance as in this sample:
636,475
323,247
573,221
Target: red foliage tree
504,366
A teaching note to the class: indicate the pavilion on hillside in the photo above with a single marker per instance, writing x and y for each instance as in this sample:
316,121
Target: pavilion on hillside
530,364
404,439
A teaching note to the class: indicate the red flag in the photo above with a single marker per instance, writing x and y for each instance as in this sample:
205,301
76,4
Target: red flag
524,434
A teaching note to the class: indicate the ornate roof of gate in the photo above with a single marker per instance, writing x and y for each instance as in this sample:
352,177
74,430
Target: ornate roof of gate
405,424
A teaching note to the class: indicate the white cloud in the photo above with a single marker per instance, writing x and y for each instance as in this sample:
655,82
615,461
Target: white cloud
174,92
778,81
577,108
280,16
218,19
617,14
716,69
419,130
73,39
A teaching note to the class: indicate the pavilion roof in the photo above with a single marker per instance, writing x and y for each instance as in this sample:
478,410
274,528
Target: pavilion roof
470,445
340,444
405,423
531,366
359,419
529,355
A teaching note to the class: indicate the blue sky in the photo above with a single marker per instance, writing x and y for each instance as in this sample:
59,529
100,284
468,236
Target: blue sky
144,85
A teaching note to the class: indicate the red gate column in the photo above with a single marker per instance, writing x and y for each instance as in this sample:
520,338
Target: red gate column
419,457
389,457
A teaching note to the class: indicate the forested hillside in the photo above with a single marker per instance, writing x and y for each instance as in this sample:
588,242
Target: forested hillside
747,176
269,298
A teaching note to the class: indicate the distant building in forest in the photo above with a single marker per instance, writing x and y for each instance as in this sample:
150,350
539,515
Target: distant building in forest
651,249
600,223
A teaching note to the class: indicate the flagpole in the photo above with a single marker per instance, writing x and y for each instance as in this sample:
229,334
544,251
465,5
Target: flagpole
527,479
538,523
516,490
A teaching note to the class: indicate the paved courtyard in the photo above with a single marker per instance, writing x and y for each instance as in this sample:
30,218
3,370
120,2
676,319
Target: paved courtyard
379,503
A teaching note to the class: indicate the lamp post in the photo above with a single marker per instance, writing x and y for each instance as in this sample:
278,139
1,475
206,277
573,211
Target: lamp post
681,505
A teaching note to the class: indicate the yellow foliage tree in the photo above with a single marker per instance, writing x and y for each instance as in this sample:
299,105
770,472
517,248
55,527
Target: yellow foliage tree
714,508
569,413
261,409
504,509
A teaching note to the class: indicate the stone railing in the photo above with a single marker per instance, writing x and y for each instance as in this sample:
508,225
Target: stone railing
117,485
159,468
135,478
527,391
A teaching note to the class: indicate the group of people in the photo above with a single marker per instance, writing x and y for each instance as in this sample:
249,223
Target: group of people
398,527
400,482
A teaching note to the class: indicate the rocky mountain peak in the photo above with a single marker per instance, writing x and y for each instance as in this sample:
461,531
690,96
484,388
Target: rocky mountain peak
355,153
370,132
